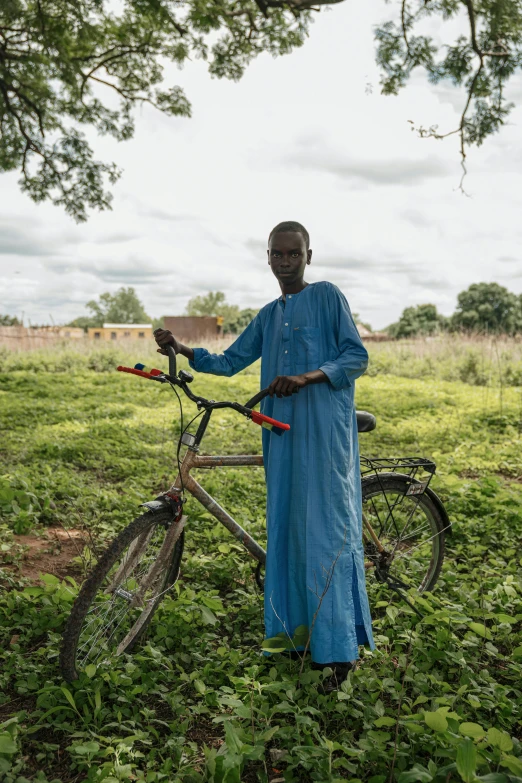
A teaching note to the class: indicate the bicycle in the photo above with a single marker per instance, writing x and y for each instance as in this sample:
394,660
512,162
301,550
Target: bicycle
404,526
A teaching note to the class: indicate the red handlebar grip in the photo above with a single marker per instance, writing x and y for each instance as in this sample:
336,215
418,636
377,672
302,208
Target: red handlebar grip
134,371
259,418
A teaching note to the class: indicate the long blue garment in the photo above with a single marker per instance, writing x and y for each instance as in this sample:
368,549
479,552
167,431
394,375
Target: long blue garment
314,518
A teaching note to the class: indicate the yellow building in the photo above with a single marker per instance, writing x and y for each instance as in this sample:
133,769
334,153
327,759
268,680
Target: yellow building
121,332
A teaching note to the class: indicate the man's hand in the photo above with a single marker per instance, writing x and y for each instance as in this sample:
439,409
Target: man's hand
286,385
163,338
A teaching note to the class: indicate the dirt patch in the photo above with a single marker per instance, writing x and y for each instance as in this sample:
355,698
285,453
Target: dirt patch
50,553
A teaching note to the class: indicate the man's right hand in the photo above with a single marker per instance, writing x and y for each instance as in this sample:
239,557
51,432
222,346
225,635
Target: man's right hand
163,338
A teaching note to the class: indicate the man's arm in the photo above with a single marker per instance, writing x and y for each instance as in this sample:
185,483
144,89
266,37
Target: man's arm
245,350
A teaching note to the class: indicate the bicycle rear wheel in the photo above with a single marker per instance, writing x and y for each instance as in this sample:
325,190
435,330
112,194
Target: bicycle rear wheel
409,528
116,602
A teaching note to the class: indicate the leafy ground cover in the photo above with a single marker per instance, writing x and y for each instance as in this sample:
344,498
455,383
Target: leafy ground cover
439,699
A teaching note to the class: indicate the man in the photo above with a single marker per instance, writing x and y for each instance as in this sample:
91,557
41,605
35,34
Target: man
311,355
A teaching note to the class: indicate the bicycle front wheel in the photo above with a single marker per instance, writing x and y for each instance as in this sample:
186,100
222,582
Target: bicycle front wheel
403,533
116,602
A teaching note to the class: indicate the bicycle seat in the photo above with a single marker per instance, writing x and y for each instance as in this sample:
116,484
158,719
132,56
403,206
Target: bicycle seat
366,422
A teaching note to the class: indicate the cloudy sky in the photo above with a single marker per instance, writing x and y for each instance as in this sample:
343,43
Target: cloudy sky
304,137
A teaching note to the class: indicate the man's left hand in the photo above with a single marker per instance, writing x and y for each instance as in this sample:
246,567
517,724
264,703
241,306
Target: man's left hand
286,385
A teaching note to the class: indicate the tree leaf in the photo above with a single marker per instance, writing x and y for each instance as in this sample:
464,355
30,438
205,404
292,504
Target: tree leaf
473,730
234,744
276,643
68,695
7,744
499,739
416,773
466,760
513,764
85,748
385,721
208,617
481,630
436,721
200,686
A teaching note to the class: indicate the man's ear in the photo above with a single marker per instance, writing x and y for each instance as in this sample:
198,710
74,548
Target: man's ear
309,256
268,255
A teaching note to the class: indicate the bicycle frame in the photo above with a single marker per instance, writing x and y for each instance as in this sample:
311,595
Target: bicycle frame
184,480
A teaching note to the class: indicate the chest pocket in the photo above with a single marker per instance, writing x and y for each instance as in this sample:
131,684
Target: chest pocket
306,346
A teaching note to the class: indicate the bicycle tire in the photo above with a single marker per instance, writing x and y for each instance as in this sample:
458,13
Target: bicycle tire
94,582
399,483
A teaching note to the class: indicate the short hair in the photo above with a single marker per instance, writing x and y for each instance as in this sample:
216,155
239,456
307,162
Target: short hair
291,225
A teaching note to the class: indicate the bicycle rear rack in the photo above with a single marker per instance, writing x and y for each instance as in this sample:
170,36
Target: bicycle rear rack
410,466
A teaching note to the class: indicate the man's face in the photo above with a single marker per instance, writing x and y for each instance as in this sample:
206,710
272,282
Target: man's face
288,256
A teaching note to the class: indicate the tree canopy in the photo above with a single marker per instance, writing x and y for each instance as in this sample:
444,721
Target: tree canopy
65,66
123,307
9,320
483,308
214,303
481,60
490,308
421,320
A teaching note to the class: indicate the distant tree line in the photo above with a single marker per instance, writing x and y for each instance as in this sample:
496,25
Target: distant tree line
484,308
9,320
124,307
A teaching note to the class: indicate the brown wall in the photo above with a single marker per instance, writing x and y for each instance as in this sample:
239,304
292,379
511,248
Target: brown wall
192,328
23,338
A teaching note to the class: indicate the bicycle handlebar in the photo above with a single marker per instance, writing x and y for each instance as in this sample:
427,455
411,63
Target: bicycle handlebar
174,380
172,361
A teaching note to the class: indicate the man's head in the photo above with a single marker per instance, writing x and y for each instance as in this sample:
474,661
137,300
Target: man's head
289,252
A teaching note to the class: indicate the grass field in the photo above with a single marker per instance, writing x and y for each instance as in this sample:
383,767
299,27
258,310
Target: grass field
440,699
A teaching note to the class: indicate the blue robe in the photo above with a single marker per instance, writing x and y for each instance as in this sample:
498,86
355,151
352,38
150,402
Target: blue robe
312,471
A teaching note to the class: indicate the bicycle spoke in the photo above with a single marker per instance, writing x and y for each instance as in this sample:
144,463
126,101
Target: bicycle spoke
407,532
132,587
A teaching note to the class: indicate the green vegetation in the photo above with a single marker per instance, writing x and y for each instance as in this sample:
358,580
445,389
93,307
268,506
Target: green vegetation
422,320
214,303
439,700
123,307
484,308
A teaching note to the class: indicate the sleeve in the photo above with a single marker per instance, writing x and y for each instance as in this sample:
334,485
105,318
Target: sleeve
244,351
352,359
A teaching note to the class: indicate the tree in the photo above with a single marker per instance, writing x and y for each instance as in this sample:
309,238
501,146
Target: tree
213,304
421,320
123,307
488,307
63,63
210,304
9,320
482,61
